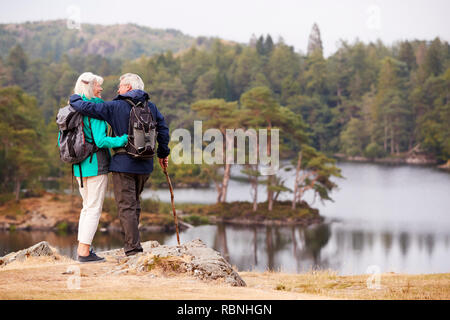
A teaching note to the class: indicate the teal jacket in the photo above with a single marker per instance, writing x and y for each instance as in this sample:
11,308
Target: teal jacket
101,159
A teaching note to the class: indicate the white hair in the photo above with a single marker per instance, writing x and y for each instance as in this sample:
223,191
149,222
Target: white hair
133,80
85,84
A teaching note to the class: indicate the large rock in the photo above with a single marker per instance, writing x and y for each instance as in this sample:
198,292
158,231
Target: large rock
39,249
193,257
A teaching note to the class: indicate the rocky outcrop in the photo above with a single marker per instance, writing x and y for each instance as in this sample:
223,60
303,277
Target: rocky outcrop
418,156
39,249
445,166
193,258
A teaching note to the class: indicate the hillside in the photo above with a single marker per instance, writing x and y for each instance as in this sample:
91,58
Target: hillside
125,41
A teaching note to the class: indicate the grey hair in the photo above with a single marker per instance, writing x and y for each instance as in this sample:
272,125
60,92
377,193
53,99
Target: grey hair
85,84
133,80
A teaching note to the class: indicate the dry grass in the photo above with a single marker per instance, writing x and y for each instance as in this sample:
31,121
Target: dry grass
47,278
328,283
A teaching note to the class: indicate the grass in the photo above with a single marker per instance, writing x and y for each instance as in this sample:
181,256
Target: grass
166,265
6,197
152,205
196,220
44,278
329,283
62,227
13,209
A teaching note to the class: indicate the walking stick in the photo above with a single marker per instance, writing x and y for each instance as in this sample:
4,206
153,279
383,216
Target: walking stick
173,205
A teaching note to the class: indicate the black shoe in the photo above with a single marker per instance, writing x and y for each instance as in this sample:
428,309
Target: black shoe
92,257
133,252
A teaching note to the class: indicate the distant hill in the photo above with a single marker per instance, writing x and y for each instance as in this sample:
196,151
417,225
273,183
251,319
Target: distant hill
125,41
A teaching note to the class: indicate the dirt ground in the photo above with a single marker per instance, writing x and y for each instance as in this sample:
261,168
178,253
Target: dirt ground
45,278
40,279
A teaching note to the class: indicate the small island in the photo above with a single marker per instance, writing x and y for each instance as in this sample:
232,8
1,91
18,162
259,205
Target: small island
60,213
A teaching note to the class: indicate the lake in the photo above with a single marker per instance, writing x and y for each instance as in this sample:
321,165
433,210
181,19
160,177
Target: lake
384,218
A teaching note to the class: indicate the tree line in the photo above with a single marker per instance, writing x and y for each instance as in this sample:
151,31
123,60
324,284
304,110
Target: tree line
370,99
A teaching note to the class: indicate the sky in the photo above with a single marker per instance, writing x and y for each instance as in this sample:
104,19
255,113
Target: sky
237,20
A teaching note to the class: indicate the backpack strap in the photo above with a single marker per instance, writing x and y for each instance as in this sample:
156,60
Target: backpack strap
81,175
138,105
111,132
120,150
132,102
93,140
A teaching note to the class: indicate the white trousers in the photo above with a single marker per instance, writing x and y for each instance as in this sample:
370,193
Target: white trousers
93,194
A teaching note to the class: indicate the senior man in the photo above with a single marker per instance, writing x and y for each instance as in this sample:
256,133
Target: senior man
129,174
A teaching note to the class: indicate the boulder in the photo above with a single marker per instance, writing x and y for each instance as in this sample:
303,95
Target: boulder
38,250
193,258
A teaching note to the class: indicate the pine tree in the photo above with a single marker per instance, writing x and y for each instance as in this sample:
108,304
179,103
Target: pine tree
393,114
313,172
21,127
17,62
221,115
433,63
268,45
315,42
406,55
263,111
260,46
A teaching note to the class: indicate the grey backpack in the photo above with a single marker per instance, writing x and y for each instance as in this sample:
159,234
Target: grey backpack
142,133
73,147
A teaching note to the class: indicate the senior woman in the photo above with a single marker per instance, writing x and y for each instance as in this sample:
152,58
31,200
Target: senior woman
94,171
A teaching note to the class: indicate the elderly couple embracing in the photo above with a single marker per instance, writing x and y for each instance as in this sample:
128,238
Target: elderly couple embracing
129,174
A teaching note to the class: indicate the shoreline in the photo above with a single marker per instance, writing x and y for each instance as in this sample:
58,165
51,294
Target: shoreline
60,213
399,160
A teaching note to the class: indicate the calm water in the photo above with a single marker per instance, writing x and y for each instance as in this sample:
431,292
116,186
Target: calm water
394,217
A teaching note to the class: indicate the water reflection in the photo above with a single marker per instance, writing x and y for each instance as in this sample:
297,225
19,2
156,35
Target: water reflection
341,247
66,242
335,246
404,242
220,241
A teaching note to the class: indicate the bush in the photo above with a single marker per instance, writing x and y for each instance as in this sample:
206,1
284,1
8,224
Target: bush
373,150
196,220
62,227
151,205
353,151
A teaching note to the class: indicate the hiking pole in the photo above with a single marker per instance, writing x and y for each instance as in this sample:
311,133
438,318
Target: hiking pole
173,205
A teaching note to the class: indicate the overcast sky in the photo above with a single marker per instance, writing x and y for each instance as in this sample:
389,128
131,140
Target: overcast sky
237,20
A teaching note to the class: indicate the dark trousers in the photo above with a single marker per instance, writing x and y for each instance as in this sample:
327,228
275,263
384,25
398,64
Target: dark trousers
127,191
